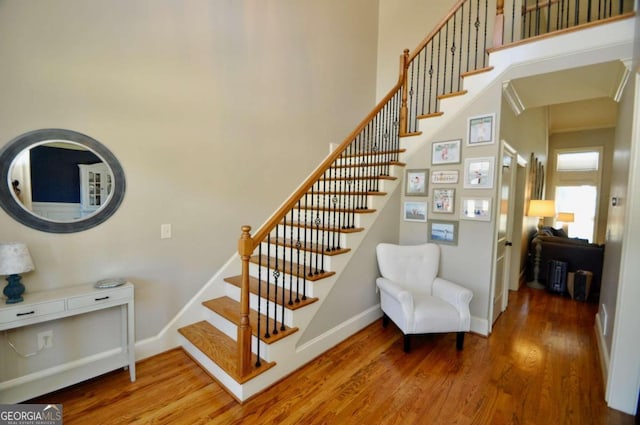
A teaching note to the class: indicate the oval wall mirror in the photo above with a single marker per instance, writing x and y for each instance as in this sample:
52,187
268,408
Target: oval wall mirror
59,181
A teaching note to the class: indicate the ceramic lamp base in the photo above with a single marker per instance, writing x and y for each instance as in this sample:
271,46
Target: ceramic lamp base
14,289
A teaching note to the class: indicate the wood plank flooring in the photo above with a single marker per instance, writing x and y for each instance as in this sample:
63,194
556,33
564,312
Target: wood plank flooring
540,366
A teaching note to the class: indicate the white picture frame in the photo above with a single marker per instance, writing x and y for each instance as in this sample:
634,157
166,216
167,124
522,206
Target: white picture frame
479,172
443,232
415,211
472,208
446,152
481,130
445,176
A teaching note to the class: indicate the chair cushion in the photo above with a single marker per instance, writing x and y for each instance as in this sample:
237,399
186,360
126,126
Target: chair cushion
433,314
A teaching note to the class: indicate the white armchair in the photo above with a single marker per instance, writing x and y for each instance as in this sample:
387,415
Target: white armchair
415,298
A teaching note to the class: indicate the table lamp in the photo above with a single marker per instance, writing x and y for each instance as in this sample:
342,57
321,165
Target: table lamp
565,218
14,259
539,208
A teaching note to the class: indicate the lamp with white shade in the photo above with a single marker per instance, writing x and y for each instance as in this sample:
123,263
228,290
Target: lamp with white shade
565,218
14,260
540,208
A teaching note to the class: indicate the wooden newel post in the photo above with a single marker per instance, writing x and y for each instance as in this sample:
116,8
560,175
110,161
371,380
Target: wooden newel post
404,111
498,27
245,249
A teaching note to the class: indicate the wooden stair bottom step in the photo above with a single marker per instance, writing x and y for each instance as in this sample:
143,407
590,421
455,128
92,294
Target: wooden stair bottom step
230,310
221,349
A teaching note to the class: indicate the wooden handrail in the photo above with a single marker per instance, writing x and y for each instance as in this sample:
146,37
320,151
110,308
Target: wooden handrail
273,221
433,32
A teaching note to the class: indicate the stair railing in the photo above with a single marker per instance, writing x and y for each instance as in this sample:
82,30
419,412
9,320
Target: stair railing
325,204
294,241
434,70
524,19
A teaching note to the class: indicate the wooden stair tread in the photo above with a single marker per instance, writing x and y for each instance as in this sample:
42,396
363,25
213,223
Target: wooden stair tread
431,115
381,177
289,268
454,94
323,228
373,164
290,243
370,153
369,193
221,349
253,287
230,310
476,71
338,210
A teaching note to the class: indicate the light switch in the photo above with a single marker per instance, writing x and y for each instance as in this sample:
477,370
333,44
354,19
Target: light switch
165,231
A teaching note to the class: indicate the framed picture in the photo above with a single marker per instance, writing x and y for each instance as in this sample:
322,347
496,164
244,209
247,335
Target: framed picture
446,152
478,173
444,232
416,183
444,177
443,200
415,211
475,209
481,130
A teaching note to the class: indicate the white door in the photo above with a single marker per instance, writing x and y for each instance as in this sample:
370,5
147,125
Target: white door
504,212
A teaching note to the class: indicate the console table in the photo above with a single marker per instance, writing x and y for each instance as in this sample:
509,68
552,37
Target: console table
44,306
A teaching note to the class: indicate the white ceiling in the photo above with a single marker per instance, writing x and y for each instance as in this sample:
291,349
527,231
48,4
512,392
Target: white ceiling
583,97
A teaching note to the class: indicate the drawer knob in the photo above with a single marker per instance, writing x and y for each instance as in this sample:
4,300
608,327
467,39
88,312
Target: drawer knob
102,299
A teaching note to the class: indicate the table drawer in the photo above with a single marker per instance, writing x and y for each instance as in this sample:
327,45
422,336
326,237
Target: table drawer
26,312
101,297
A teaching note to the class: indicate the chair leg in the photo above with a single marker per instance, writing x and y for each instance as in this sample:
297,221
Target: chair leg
407,343
459,340
385,320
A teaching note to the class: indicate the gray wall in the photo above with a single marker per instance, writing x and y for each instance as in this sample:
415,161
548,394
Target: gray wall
216,110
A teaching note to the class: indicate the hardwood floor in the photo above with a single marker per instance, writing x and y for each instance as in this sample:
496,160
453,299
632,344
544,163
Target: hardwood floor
540,366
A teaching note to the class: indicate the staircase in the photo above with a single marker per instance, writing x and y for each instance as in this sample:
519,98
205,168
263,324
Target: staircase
248,334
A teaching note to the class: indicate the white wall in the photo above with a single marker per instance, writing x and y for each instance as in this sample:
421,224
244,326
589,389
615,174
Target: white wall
216,110
403,24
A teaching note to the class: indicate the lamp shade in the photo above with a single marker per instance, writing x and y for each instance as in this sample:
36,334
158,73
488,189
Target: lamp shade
541,208
15,259
565,217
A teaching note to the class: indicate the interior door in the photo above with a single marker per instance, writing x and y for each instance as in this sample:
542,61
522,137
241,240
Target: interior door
504,230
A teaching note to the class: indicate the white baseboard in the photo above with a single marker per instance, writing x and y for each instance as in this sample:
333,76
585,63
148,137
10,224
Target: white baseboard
480,326
602,350
344,330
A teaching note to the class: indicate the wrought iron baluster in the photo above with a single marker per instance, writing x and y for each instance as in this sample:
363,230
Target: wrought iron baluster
298,246
549,16
292,244
431,96
259,305
425,100
446,55
486,21
460,48
276,276
304,253
268,299
476,24
469,37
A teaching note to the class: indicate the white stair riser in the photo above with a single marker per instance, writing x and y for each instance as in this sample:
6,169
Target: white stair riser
231,330
307,235
234,293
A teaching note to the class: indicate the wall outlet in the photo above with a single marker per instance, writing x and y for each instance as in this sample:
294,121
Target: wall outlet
45,340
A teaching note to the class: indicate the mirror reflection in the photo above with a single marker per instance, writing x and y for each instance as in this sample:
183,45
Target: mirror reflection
60,180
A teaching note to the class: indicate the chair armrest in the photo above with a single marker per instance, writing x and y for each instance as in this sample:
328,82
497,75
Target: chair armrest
452,293
395,291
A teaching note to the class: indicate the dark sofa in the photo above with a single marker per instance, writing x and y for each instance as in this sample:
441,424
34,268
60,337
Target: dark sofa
579,254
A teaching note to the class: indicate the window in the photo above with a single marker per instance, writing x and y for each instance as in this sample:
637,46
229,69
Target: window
577,184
